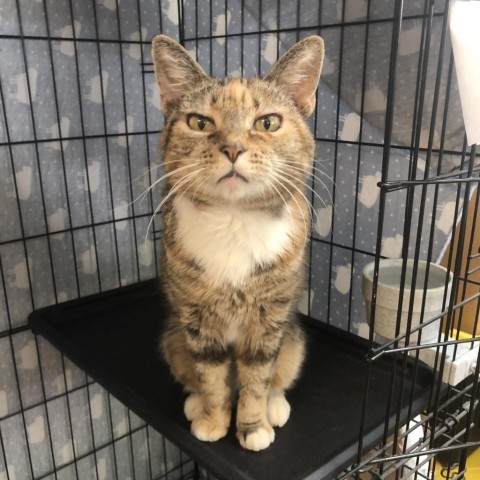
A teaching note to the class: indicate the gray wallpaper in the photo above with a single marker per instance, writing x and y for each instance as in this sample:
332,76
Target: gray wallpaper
79,144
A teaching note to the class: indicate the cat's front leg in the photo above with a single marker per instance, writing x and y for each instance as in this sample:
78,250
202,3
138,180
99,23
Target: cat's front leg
254,431
209,408
202,365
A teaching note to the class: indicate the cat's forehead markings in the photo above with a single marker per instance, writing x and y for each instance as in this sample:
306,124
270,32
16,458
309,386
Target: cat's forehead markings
236,90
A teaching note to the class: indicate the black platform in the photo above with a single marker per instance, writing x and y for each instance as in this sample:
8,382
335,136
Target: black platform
113,337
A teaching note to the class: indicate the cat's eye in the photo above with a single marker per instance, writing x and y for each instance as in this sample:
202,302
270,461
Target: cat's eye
268,123
200,123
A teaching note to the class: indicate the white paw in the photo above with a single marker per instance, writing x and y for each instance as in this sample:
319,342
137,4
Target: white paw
193,406
278,410
256,440
207,430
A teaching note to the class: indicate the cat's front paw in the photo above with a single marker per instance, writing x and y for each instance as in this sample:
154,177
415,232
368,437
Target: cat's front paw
256,436
207,430
210,428
278,410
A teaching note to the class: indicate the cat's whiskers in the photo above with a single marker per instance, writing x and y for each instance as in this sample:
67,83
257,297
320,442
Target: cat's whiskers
311,175
273,180
151,169
317,164
270,182
163,177
320,172
181,183
279,175
328,177
169,174
316,169
175,187
196,189
310,188
146,172
195,180
283,172
335,186
172,191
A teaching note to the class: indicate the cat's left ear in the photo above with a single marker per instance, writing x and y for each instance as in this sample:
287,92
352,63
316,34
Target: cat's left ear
176,71
298,72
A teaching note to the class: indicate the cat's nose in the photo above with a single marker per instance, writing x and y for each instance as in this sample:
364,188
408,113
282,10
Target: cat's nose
232,151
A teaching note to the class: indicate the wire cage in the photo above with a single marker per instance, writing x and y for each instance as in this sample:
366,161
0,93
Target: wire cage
393,179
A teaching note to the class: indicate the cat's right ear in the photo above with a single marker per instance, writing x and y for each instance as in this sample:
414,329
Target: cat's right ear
175,70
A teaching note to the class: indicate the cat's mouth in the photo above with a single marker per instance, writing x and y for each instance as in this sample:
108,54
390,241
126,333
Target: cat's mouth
233,174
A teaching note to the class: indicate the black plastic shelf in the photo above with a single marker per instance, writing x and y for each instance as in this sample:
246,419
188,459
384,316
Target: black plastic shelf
113,337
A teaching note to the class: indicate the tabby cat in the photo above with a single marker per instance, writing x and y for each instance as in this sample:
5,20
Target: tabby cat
236,221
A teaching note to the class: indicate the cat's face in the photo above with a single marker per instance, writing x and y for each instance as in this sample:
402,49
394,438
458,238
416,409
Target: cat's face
243,140
240,141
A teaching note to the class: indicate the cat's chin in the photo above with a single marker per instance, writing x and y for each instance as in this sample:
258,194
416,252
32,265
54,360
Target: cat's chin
236,193
237,188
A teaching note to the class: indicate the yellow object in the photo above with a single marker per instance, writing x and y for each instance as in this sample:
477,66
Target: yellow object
461,335
472,473
473,460
473,465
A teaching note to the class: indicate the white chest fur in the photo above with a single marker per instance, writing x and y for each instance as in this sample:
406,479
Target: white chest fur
229,243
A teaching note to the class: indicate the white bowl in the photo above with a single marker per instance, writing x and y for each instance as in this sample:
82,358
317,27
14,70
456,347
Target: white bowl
388,293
